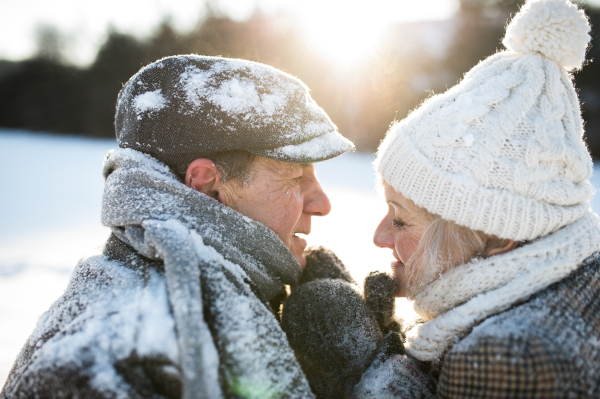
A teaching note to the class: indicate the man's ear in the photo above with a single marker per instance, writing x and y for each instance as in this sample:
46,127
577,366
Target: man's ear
508,246
203,175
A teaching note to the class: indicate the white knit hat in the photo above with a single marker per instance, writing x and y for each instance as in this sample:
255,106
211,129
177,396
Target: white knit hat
502,151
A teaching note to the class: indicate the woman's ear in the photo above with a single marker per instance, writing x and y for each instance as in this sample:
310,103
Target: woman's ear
203,175
509,245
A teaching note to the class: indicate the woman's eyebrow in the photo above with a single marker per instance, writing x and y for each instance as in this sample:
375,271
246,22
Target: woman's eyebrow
396,204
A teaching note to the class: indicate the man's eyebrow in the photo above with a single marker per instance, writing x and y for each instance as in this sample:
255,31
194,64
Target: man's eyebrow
397,204
292,168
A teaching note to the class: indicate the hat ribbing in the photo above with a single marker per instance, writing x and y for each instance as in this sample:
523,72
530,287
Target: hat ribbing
502,151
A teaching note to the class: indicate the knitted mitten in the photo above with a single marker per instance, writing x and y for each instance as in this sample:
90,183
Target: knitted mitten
322,263
379,296
334,334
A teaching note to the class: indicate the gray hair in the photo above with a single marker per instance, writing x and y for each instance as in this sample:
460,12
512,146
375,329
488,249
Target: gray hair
444,245
235,165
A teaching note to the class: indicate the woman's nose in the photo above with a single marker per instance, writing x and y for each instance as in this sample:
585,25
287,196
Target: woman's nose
382,236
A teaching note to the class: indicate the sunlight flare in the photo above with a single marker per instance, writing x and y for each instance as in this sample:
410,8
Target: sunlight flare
349,32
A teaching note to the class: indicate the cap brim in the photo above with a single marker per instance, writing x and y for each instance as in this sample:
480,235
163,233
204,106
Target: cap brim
320,148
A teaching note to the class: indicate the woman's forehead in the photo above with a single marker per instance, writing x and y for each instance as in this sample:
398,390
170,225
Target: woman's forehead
400,202
392,195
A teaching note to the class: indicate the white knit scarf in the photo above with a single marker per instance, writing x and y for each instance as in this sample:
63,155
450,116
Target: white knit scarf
466,295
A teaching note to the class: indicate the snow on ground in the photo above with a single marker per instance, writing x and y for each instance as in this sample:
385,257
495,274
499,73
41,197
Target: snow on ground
51,190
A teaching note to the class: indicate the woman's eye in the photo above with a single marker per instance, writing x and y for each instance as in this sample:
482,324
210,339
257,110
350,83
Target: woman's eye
397,223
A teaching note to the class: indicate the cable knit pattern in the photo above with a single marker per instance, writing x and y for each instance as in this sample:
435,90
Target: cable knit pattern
501,152
467,294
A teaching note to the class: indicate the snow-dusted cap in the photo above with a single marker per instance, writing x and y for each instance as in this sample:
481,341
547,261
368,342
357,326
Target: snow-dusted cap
502,152
186,107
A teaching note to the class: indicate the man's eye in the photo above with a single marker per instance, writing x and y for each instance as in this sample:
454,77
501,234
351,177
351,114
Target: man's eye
399,224
293,182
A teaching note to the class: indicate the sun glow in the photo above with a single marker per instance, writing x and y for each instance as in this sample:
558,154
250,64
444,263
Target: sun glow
344,40
346,31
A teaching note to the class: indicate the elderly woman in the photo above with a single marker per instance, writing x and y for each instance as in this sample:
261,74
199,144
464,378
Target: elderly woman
490,227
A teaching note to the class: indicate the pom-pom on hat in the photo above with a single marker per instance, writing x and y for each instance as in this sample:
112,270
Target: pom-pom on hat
502,151
557,29
187,107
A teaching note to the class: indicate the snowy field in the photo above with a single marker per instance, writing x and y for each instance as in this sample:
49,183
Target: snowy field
51,190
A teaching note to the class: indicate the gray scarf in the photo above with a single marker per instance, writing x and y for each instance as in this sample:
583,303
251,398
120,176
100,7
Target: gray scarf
218,264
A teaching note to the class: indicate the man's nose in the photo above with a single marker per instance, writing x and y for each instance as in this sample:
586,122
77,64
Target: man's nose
317,202
382,237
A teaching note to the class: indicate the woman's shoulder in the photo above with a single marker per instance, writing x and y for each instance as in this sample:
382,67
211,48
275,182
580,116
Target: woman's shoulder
508,360
548,344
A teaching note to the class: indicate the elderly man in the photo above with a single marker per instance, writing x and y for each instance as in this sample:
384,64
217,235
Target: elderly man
205,197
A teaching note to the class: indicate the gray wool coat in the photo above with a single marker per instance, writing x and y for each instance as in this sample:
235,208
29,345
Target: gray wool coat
141,363
180,303
140,375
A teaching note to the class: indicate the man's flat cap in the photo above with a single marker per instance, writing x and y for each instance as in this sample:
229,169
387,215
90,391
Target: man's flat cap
186,107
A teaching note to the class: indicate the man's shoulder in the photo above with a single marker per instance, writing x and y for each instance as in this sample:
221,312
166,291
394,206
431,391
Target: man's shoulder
107,296
109,314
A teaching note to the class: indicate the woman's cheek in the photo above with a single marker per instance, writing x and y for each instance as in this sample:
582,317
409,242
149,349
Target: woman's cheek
406,245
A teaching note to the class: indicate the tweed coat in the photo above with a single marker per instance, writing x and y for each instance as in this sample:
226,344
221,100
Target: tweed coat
545,347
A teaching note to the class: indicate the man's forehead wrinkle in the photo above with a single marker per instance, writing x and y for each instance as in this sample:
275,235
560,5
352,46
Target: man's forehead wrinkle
286,168
280,168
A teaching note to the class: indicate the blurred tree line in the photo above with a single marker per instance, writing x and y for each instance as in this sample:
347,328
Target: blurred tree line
414,60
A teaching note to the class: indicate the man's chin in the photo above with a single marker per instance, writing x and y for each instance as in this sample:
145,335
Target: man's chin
301,259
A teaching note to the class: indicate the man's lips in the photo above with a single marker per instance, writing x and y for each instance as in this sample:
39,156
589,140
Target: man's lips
299,241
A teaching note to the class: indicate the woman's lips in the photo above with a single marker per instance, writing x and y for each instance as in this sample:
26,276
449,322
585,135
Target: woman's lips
396,264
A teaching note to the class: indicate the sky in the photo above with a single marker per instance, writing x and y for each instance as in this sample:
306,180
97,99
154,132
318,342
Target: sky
332,24
84,23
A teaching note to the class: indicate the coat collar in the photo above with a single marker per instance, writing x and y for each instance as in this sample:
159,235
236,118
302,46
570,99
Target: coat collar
140,188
